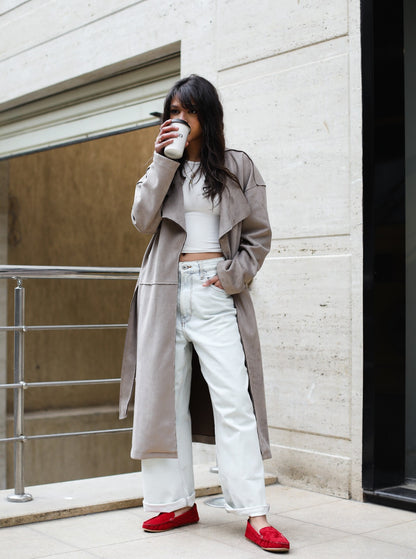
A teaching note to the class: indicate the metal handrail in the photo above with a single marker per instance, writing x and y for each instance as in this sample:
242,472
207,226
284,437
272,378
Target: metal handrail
25,438
19,328
43,384
61,327
67,272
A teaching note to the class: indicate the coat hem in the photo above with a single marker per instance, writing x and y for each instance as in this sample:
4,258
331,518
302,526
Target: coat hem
206,439
145,455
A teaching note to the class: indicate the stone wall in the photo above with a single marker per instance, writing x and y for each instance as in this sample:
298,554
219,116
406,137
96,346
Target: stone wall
4,180
289,75
292,100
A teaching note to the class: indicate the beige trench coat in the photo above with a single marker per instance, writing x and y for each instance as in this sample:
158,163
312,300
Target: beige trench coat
245,240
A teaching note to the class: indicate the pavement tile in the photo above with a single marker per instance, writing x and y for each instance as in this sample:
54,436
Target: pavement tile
354,547
24,542
302,534
317,526
79,554
231,533
94,529
282,498
173,545
401,534
210,516
351,516
139,514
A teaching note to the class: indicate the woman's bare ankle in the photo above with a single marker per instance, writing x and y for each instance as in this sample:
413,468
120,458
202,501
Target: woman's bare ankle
258,522
182,511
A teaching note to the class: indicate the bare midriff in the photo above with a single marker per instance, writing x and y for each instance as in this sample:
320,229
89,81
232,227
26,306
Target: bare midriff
190,256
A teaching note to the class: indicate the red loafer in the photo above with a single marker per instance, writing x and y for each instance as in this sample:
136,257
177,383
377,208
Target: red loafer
167,520
268,538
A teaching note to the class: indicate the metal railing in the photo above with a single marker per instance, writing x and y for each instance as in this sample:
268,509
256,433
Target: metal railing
19,273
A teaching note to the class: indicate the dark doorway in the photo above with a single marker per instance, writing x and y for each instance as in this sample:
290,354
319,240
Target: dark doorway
389,202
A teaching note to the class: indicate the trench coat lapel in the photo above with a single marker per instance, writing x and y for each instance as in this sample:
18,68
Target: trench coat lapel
173,207
234,207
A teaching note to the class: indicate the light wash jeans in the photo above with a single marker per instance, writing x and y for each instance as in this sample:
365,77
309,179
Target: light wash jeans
206,319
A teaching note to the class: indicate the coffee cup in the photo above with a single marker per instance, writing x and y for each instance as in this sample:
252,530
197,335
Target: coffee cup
176,148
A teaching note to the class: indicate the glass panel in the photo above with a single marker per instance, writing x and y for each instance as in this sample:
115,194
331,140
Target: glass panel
71,206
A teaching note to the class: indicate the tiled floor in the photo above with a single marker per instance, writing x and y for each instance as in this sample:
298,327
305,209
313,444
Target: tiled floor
318,526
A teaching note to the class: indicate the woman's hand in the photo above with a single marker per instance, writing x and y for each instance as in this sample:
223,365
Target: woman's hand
167,133
213,281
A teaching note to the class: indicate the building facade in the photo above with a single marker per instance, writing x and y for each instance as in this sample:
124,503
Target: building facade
290,78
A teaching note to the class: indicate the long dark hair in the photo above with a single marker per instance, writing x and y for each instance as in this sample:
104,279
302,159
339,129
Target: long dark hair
195,92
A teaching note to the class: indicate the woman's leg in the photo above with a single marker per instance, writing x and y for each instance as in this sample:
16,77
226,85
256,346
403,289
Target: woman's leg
214,332
168,483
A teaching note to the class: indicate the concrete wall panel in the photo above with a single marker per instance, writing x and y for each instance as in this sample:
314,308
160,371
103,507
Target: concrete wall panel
140,34
54,18
9,5
4,186
293,115
306,338
317,471
255,30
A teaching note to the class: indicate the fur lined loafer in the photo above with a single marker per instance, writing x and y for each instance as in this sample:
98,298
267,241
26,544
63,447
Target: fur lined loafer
268,538
167,520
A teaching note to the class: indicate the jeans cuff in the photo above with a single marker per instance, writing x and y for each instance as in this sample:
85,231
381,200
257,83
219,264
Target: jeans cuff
249,511
170,507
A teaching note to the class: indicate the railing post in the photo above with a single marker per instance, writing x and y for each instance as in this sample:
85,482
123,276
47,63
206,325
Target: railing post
19,371
217,502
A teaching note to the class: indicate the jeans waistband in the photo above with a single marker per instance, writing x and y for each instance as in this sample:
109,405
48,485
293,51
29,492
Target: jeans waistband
198,266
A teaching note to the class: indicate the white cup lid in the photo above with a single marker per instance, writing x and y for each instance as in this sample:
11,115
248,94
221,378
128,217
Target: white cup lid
181,121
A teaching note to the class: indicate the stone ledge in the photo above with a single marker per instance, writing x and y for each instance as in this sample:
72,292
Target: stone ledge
87,496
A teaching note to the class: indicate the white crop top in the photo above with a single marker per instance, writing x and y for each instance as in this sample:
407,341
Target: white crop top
202,217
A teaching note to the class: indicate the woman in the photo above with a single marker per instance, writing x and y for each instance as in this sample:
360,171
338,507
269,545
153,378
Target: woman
192,314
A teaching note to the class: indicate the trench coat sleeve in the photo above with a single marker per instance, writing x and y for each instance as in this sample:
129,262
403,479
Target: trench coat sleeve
150,193
237,272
